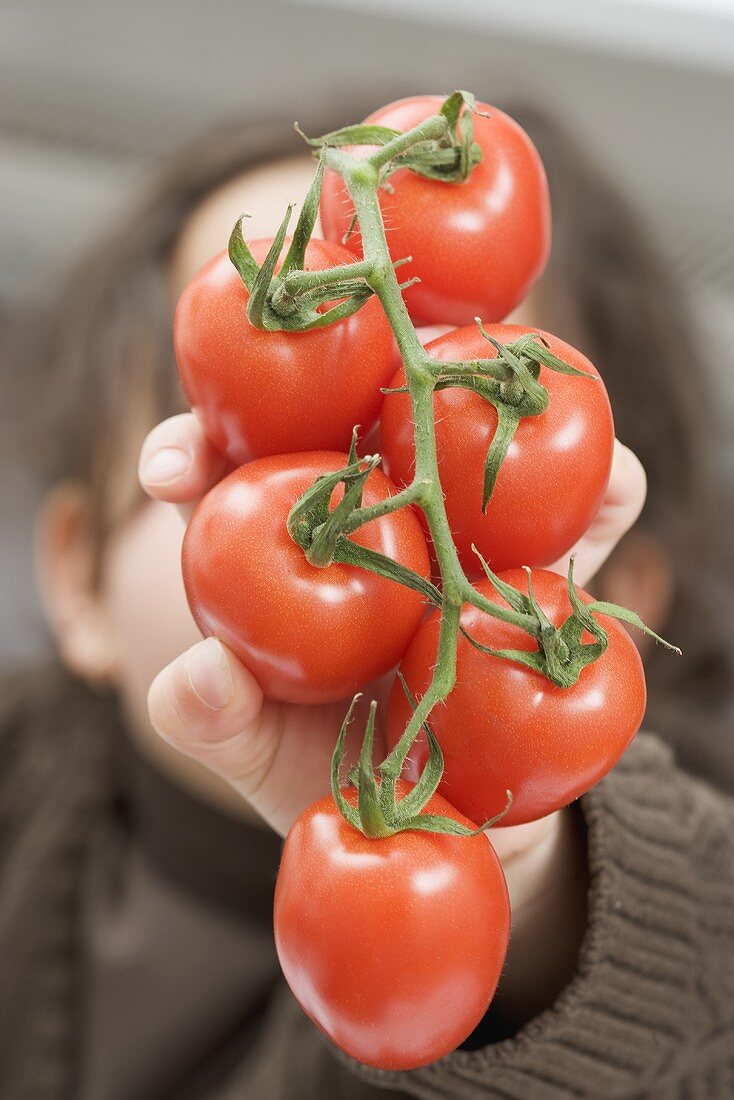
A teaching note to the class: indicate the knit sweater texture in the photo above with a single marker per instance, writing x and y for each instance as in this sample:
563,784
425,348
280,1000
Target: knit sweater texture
648,1014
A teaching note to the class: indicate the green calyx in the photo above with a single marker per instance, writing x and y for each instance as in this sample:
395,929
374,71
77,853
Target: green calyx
561,655
450,156
441,148
274,303
323,532
379,813
509,383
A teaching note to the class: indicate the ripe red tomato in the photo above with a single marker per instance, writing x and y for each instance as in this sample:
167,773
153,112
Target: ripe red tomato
261,393
553,479
506,727
478,246
393,947
309,635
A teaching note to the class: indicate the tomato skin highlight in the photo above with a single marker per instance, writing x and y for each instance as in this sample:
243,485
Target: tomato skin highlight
308,635
554,477
393,947
260,393
478,246
505,726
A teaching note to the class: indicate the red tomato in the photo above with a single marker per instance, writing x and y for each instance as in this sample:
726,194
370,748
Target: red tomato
393,947
309,635
261,393
478,246
553,479
506,727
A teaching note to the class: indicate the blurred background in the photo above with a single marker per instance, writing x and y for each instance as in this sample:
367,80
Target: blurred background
92,94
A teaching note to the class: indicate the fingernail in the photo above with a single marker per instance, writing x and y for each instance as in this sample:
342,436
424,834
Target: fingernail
165,466
209,674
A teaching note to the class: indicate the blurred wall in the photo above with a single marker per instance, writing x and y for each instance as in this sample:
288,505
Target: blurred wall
92,93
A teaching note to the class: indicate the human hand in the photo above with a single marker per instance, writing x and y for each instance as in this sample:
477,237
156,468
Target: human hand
210,707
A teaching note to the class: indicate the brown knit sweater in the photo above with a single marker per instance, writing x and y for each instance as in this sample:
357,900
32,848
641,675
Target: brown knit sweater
649,1014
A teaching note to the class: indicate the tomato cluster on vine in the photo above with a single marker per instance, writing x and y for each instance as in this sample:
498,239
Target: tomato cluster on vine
319,570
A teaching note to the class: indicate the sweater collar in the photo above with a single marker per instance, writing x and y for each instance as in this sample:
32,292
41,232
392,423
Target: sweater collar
201,850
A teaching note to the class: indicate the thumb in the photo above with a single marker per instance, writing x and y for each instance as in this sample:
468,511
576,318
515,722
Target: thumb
209,706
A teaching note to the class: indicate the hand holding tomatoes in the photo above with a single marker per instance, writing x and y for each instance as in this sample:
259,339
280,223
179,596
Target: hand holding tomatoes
277,755
264,582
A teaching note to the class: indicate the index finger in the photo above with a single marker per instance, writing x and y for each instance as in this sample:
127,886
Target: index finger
178,463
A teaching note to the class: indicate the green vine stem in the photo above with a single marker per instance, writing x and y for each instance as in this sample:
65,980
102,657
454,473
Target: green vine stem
440,147
361,178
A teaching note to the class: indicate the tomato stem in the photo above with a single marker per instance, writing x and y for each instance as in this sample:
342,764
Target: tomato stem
431,129
422,373
298,282
415,493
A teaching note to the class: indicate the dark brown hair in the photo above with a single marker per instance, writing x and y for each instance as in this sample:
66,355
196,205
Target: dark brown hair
101,355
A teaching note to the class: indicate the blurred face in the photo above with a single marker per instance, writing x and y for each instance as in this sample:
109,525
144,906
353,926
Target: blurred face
138,621
143,590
